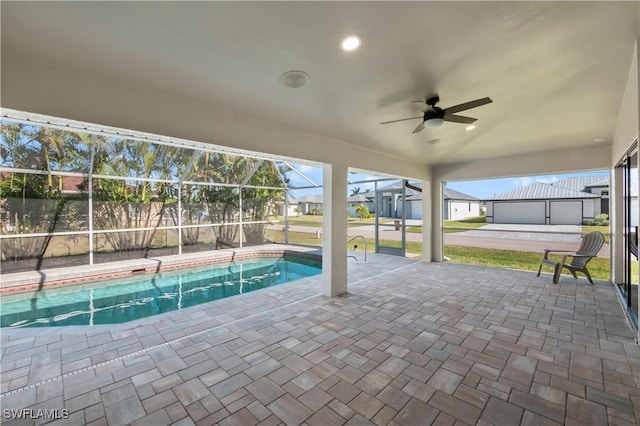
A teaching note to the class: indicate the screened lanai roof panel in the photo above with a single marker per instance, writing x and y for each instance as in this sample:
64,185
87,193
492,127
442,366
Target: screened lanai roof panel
27,146
266,173
125,154
217,167
301,175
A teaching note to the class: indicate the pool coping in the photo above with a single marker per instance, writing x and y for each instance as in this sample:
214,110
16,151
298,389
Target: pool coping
21,282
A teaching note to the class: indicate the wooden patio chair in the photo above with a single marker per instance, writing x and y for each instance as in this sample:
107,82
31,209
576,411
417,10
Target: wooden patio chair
574,261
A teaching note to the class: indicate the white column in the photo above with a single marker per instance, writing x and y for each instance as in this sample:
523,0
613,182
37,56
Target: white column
437,249
427,222
334,230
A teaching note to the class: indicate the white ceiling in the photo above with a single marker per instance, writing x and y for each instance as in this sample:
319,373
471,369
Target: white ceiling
556,71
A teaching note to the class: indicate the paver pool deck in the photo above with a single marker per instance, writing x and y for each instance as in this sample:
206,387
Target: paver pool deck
411,343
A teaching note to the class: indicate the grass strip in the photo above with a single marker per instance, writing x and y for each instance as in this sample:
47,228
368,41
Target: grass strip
495,258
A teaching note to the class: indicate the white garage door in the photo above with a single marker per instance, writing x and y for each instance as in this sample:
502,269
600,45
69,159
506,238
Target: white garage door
416,210
521,212
565,212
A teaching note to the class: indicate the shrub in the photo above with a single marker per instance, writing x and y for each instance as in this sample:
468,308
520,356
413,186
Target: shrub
602,219
363,212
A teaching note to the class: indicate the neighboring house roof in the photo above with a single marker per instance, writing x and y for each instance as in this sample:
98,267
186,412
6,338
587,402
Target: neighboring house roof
541,191
604,182
397,186
310,198
449,194
579,183
452,194
73,184
70,184
291,201
394,185
412,195
360,198
572,188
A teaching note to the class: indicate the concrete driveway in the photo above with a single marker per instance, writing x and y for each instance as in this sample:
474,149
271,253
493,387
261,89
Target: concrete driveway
555,233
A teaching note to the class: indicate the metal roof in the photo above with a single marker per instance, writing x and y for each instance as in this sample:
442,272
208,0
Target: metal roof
364,197
448,194
310,198
544,191
412,195
579,183
603,182
452,194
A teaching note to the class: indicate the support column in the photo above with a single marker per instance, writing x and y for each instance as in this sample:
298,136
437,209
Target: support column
427,222
334,230
437,250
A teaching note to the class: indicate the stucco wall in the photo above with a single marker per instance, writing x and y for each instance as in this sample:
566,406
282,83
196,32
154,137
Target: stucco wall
628,121
458,210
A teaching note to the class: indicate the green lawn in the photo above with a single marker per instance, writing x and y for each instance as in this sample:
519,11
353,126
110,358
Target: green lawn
528,261
450,225
470,223
305,220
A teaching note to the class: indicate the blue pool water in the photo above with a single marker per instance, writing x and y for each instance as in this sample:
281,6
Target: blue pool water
127,299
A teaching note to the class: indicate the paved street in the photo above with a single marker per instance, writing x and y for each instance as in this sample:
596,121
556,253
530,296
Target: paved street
531,238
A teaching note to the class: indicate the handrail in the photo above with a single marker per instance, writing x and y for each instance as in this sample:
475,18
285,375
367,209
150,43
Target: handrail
365,246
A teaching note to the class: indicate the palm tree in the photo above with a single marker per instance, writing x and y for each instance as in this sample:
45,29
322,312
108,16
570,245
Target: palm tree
259,203
355,191
362,211
121,204
33,203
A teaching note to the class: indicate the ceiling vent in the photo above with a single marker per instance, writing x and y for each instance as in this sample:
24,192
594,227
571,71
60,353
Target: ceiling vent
294,79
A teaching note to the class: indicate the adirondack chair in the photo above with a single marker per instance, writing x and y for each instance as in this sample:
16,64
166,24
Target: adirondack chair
574,261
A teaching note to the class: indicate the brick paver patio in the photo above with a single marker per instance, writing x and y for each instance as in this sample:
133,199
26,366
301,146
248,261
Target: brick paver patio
410,344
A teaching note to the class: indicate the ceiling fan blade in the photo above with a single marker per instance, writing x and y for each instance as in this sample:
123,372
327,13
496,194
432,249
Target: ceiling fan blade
467,105
459,119
402,119
422,105
419,128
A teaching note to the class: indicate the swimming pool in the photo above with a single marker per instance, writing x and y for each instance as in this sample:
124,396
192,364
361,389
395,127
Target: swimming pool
131,298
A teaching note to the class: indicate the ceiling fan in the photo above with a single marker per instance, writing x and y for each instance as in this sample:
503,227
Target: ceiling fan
434,116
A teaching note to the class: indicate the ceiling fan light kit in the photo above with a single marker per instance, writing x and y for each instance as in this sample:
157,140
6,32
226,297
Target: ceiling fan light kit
435,116
433,122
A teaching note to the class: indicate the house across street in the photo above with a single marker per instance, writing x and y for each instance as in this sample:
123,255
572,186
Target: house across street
568,201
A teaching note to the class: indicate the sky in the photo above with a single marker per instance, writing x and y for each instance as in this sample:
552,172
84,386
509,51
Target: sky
481,189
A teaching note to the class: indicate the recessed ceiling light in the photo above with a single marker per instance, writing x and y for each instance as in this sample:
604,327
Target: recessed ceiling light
470,128
598,140
350,43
